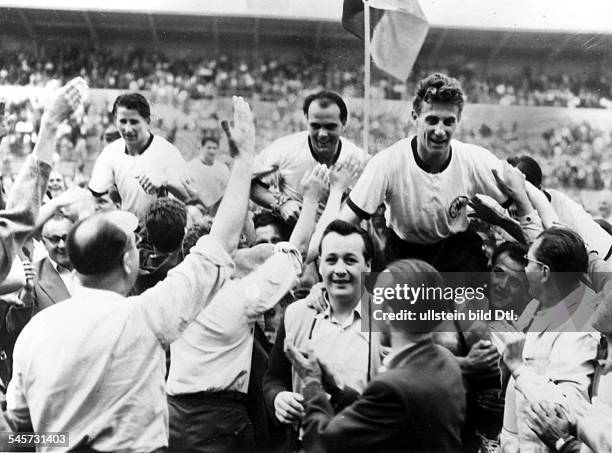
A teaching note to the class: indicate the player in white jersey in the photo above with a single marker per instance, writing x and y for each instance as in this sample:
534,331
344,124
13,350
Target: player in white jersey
139,164
426,181
284,163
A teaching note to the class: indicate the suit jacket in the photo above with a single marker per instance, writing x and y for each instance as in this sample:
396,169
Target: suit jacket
49,289
418,405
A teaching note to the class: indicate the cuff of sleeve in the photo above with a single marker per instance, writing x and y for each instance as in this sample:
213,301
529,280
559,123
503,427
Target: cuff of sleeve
529,218
290,249
356,209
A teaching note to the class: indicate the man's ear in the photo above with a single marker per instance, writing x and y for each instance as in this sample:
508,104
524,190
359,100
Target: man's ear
126,263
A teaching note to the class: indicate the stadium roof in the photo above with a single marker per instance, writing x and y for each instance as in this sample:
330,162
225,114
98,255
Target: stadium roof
585,16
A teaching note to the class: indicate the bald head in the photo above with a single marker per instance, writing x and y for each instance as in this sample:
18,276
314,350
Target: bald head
97,244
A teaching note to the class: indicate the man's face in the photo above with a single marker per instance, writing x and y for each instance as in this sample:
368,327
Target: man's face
209,150
133,128
435,126
267,234
324,128
341,264
54,235
534,271
56,181
509,283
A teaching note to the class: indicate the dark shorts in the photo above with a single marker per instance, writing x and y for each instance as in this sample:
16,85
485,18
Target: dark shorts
212,422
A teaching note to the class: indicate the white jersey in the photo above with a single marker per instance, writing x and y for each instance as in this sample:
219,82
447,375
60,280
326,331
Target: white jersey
115,166
424,207
210,181
289,158
575,217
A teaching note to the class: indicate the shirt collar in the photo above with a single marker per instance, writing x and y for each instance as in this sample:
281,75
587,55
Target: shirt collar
423,165
327,314
143,149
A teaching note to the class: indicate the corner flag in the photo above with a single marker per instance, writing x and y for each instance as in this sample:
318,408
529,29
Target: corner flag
398,30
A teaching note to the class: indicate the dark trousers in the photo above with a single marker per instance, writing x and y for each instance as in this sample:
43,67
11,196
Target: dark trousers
461,252
211,422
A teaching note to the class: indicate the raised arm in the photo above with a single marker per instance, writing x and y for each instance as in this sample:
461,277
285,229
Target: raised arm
173,303
25,197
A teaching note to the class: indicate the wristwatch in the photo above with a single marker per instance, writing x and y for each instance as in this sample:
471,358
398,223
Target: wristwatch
561,441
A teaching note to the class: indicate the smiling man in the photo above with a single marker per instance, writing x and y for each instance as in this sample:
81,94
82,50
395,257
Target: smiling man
335,333
284,163
140,163
425,182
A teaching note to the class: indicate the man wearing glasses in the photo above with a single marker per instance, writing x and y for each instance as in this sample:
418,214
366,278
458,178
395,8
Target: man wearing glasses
555,365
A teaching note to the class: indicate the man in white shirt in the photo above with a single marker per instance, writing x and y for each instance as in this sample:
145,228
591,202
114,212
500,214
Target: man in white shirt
284,163
570,213
140,163
209,175
93,366
426,181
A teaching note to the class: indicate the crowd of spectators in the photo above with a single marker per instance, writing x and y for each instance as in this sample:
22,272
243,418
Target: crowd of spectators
272,78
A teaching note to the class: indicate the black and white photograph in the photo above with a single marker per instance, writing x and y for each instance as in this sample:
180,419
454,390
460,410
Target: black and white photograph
306,226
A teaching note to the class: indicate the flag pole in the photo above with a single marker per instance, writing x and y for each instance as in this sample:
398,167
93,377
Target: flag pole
366,78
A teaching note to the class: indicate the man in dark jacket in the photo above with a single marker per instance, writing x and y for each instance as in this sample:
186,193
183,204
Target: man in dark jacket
417,404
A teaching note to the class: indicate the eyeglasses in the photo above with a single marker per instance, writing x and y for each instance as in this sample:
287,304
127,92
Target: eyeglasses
535,261
56,239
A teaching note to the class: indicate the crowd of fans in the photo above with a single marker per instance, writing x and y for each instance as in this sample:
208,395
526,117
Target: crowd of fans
272,78
177,305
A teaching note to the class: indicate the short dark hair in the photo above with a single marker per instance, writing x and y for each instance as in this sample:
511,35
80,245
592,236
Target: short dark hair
416,273
194,233
165,222
346,229
102,251
438,88
529,167
325,98
133,101
563,250
515,250
209,138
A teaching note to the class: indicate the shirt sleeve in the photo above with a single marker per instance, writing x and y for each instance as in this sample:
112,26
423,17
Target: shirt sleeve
266,286
22,207
16,401
171,305
102,175
483,163
371,188
567,380
373,419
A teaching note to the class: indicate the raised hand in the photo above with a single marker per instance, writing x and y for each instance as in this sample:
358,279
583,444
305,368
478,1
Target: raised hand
511,182
343,175
65,100
316,182
241,136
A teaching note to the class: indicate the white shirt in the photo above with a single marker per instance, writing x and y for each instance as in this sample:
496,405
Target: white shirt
575,217
424,207
210,180
115,166
214,353
292,158
94,365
